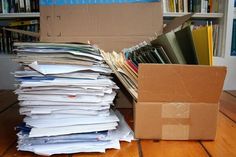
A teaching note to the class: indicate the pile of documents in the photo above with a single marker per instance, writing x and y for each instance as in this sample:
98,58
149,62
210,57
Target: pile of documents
65,91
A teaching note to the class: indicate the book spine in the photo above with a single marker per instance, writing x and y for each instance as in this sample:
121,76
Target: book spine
1,44
186,6
17,6
176,5
233,42
181,5
198,6
164,6
189,5
216,6
22,5
33,6
210,4
37,5
5,6
21,23
1,6
203,6
11,6
27,6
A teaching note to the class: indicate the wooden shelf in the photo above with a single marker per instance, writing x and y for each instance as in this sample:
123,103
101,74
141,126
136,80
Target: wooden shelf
196,15
19,15
167,14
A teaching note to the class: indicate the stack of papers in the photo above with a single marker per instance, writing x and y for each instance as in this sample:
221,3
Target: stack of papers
65,91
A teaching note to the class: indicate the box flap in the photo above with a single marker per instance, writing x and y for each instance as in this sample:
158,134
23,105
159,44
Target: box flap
110,26
180,83
47,21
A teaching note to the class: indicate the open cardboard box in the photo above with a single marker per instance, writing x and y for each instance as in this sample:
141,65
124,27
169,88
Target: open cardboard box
176,102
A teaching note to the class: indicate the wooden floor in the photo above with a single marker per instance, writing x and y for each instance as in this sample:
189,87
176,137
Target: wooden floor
223,146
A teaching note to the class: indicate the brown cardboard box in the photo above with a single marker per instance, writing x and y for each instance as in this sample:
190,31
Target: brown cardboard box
178,102
110,26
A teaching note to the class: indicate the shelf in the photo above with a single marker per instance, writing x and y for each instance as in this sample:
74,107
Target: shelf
167,14
19,15
196,15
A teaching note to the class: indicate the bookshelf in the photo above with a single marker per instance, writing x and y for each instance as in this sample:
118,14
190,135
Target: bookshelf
195,16
204,12
19,15
226,59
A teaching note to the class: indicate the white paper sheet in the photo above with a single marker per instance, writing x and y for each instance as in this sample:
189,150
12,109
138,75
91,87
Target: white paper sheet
58,103
61,69
54,131
58,122
68,98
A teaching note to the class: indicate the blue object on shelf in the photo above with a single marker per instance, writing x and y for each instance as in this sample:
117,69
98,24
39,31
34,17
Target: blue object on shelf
81,2
233,43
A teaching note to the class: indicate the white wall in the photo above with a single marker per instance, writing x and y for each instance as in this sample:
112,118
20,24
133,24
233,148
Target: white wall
6,67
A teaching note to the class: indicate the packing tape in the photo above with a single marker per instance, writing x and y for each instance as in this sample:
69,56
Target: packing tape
175,110
175,121
175,132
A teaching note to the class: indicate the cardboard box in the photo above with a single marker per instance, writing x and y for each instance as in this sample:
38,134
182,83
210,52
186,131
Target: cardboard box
110,26
178,102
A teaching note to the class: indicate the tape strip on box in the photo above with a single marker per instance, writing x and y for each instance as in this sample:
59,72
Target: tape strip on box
175,121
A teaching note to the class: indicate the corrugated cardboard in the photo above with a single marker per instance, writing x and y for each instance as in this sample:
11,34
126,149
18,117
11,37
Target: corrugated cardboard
110,26
178,102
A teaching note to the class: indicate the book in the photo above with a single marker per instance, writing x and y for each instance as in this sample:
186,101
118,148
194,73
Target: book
202,38
27,6
5,6
233,42
18,6
170,45
185,41
216,32
197,6
22,6
11,8
23,22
